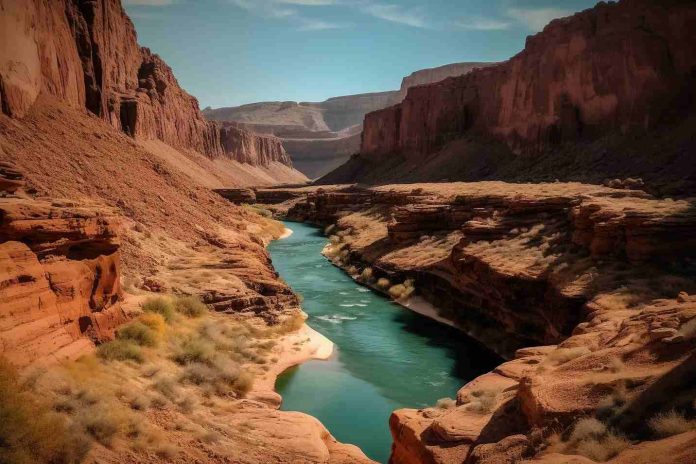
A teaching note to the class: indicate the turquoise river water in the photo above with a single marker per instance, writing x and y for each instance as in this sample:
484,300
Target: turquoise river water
386,357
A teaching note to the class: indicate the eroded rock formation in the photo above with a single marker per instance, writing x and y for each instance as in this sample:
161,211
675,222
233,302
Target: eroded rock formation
618,69
60,286
86,54
586,289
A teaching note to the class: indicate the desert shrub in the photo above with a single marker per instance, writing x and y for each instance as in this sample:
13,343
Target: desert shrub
191,306
402,291
120,350
100,424
587,428
670,423
186,404
603,449
138,333
166,386
29,431
244,383
482,401
383,283
445,403
160,305
593,439
366,274
194,350
166,451
155,322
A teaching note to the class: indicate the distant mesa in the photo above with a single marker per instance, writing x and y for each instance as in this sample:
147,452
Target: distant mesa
319,137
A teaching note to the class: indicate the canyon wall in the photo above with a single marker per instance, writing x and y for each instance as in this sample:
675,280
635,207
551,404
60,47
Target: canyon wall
322,136
87,55
613,68
587,290
583,101
440,73
59,277
247,147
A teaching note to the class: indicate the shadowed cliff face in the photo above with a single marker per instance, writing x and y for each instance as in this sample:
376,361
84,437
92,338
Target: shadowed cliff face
87,55
617,69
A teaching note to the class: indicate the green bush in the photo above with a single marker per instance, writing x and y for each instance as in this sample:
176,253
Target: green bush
120,350
30,432
138,333
160,305
191,306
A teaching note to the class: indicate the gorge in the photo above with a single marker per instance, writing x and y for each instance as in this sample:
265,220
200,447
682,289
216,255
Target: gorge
500,266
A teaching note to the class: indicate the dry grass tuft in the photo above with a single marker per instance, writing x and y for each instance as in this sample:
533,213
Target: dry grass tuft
29,431
160,305
592,439
120,350
446,403
670,423
190,306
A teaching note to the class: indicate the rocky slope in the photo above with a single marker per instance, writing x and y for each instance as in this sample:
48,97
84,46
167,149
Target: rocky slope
585,289
60,266
601,77
321,136
86,54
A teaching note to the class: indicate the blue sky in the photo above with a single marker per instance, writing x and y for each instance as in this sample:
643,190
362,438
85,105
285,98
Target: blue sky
232,52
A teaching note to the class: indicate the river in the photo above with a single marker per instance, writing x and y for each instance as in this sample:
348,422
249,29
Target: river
386,357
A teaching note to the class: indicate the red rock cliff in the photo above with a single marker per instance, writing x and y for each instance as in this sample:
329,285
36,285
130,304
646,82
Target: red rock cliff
616,67
247,147
86,54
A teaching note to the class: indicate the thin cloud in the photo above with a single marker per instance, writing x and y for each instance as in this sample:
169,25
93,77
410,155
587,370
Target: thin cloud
480,23
397,14
535,19
318,25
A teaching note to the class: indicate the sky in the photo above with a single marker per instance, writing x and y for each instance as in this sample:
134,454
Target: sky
233,52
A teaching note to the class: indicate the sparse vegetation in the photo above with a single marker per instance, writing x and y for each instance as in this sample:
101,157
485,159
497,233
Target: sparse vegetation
446,403
482,401
160,305
670,423
138,333
190,306
402,291
383,283
593,439
29,431
120,350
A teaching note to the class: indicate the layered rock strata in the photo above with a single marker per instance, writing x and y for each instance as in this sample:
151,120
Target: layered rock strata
586,290
602,77
60,286
87,55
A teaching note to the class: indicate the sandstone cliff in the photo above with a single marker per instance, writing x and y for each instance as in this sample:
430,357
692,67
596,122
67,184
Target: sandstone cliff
86,54
587,290
619,69
60,274
440,73
319,137
247,147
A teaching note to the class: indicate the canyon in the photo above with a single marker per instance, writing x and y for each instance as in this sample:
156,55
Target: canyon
606,93
585,290
142,318
320,137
